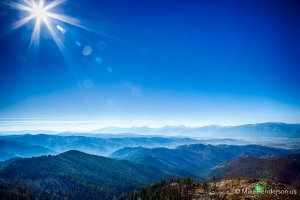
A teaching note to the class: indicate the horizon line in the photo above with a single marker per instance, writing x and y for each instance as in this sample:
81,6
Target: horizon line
123,127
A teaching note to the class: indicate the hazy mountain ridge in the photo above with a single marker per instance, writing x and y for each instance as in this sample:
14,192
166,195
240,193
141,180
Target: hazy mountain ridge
5,155
196,158
269,129
98,146
104,135
168,156
166,166
296,134
262,130
23,149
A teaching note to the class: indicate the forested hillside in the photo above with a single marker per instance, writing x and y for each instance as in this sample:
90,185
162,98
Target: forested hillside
79,175
285,170
171,189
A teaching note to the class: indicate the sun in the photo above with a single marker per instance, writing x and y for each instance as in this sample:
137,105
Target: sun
39,11
44,11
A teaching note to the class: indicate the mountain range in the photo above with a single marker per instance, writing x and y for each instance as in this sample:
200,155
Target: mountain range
78,175
269,129
53,144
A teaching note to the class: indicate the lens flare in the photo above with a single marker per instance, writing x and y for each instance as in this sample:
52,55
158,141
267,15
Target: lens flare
109,69
87,50
78,43
59,28
98,60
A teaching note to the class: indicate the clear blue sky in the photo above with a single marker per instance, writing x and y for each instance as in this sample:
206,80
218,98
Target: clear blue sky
164,63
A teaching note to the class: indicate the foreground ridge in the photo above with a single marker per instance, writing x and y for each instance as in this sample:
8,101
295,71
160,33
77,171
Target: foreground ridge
232,188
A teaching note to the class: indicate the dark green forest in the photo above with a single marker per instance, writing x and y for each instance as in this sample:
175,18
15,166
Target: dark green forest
77,175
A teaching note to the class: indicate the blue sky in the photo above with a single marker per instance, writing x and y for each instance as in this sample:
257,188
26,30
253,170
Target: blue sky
159,63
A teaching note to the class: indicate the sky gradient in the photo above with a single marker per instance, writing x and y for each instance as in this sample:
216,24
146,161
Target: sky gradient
152,63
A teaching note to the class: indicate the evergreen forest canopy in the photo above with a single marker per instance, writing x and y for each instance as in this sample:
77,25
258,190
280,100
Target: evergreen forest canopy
78,175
